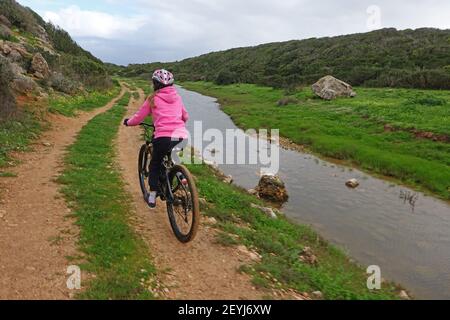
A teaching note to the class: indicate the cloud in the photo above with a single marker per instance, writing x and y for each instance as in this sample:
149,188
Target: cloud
160,30
84,23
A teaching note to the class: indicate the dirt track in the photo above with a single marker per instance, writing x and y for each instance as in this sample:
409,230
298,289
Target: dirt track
35,234
200,270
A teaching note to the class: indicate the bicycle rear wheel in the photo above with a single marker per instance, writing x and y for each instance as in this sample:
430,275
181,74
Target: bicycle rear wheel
184,212
145,156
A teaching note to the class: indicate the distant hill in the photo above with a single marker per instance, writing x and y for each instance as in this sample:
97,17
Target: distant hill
37,58
383,58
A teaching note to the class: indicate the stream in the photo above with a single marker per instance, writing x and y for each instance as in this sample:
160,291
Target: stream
404,232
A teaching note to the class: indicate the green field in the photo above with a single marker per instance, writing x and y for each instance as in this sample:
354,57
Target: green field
390,132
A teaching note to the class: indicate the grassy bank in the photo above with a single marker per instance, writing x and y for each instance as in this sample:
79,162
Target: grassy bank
16,134
113,252
280,243
69,106
386,131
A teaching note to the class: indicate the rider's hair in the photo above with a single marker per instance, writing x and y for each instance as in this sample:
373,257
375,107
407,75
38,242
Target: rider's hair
158,85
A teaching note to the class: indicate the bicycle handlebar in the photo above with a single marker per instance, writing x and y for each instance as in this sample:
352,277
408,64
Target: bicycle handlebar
147,125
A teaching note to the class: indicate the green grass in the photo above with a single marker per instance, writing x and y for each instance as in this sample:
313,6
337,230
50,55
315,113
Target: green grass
68,106
7,175
353,130
11,38
94,188
280,243
15,135
145,85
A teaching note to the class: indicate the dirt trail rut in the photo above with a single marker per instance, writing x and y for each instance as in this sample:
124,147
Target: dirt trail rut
199,270
35,235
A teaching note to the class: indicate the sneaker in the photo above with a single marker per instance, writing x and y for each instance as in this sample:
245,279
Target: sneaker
151,200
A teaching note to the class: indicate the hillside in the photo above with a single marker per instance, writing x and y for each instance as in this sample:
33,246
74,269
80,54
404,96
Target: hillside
384,58
38,59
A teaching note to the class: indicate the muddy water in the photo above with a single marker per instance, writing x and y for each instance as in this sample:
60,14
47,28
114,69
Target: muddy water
374,223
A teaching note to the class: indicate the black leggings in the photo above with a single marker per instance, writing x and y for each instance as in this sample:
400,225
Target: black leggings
161,148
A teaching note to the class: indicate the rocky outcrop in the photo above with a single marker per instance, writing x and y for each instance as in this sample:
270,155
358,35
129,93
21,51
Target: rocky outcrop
4,21
39,67
12,59
14,52
273,189
23,84
5,49
5,32
330,88
17,69
42,34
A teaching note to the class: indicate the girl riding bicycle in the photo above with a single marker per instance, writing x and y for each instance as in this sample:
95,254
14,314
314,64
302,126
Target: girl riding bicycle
169,117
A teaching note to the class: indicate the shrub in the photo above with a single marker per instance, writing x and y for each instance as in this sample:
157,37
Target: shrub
58,82
7,100
5,33
63,42
287,101
225,77
19,16
428,100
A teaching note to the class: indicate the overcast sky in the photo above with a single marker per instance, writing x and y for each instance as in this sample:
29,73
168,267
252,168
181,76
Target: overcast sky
138,31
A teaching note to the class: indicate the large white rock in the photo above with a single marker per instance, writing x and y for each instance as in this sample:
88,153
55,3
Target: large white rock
330,88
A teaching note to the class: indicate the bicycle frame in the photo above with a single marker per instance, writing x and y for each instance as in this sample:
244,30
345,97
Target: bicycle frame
167,161
180,193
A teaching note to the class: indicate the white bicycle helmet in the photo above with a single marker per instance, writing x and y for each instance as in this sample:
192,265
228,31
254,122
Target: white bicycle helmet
164,77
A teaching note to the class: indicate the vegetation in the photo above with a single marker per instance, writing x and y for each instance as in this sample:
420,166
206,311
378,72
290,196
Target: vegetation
384,58
399,133
73,67
281,243
63,42
74,71
68,106
7,100
117,257
141,84
20,17
16,134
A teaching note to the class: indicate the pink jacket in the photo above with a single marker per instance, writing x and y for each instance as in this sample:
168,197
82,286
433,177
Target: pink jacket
168,112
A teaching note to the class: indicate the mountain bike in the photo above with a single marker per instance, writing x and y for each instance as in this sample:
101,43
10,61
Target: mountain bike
176,187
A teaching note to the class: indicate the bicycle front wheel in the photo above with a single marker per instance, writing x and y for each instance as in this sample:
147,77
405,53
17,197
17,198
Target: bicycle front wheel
145,156
184,212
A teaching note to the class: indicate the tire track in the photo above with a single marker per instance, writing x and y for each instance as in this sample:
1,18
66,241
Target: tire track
200,270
